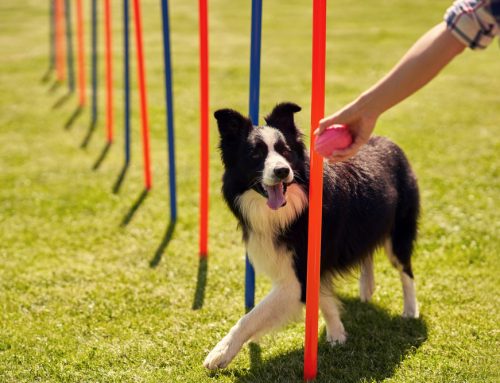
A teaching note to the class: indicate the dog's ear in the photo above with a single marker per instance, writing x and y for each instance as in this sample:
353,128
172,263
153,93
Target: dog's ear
233,129
231,123
282,117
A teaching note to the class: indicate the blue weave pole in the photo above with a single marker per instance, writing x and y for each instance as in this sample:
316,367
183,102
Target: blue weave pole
69,46
170,109
94,61
255,44
126,80
52,36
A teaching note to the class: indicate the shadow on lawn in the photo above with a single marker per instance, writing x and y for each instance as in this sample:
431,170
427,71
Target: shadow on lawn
255,353
377,344
121,176
163,245
138,202
201,283
62,100
56,84
74,116
47,75
90,132
102,156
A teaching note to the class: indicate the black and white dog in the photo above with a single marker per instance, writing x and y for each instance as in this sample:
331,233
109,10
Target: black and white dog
369,201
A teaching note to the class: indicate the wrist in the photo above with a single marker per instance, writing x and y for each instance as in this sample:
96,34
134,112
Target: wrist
366,105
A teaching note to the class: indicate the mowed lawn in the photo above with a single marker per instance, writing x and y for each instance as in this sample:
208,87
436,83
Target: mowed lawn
93,288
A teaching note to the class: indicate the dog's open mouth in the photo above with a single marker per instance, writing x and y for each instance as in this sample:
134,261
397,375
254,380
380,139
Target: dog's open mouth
275,194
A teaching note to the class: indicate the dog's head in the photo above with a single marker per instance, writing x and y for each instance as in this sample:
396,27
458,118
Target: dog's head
265,158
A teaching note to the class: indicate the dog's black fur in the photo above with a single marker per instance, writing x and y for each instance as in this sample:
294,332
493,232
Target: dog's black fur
366,200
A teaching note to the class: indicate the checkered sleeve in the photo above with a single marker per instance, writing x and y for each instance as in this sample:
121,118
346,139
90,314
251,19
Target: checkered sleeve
472,22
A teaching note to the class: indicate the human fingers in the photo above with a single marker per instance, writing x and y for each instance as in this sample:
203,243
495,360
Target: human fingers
348,115
325,123
340,155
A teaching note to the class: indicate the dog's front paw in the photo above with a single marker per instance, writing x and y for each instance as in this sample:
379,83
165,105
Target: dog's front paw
337,337
221,355
411,312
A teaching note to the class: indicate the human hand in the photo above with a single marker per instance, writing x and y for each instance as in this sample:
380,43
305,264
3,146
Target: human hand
360,124
423,61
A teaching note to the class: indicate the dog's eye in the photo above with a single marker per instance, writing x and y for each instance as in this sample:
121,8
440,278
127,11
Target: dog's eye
282,149
258,153
287,154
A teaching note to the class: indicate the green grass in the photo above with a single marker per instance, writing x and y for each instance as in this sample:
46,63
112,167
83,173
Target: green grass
79,301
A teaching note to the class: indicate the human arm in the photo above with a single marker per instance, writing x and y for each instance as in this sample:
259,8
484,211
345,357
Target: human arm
423,61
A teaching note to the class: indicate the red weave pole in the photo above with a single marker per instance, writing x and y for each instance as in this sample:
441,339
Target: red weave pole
81,52
60,46
109,71
204,127
315,192
142,92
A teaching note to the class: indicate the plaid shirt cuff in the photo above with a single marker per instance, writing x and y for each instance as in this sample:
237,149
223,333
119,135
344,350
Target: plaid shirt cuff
472,22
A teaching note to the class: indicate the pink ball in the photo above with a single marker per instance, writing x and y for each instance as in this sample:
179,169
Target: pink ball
333,138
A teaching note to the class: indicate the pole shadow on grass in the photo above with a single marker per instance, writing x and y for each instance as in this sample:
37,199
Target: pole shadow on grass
56,84
163,245
255,353
62,100
47,75
121,176
74,116
102,156
138,202
201,283
376,346
90,132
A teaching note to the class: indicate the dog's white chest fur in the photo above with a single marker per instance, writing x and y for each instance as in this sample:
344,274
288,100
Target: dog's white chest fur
265,224
267,258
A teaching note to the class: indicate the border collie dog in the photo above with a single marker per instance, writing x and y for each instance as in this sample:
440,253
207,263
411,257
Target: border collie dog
369,201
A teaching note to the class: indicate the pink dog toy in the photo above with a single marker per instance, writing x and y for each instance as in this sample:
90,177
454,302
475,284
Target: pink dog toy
334,137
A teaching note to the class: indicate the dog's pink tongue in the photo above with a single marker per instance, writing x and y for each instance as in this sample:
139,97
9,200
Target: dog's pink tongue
276,198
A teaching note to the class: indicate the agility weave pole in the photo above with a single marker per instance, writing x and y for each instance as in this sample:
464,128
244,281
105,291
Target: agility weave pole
52,36
254,98
169,102
69,46
126,78
315,192
59,28
61,9
204,126
81,53
109,71
141,74
95,105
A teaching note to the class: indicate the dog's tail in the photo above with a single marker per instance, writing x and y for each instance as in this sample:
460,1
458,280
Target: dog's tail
404,233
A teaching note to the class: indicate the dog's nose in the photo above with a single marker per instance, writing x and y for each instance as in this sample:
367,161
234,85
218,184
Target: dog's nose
282,173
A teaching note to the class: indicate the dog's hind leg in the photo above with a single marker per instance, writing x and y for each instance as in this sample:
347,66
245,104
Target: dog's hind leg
410,304
367,279
399,246
330,307
279,306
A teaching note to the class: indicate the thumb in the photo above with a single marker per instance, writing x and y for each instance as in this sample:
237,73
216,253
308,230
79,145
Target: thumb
343,116
325,123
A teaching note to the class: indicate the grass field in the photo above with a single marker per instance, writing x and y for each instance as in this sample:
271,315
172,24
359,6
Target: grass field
87,298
